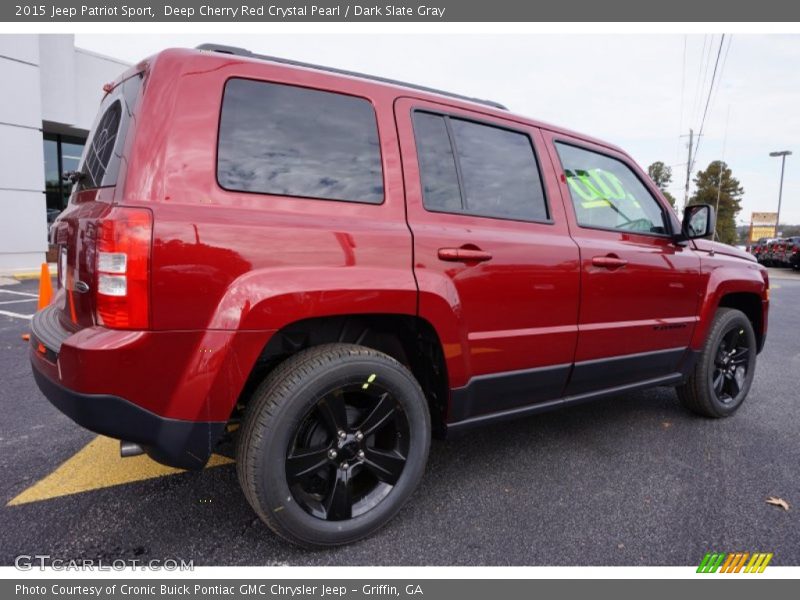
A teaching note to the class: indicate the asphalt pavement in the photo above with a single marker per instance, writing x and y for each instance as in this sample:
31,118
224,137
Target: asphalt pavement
631,480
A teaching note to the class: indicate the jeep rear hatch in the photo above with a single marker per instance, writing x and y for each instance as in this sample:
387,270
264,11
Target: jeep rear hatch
102,255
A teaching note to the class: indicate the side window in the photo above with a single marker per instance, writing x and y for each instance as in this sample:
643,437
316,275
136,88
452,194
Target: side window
476,169
499,172
293,141
607,194
437,164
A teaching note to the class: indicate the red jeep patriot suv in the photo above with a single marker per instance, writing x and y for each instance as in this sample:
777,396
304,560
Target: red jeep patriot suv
347,265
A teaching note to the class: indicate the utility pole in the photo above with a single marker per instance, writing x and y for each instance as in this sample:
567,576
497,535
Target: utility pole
783,154
688,168
719,193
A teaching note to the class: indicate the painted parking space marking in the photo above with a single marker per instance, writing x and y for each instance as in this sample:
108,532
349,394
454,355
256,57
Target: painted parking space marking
14,315
16,293
96,466
13,298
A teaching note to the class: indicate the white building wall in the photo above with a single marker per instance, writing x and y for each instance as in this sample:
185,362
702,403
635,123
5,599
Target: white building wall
92,71
50,84
23,224
58,77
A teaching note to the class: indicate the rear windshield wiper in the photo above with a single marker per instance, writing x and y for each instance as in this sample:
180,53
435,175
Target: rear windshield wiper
73,176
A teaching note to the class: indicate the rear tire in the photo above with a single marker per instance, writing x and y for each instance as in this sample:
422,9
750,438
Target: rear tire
721,379
334,442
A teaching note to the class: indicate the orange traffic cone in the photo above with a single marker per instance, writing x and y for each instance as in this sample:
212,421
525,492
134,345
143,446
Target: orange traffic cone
45,287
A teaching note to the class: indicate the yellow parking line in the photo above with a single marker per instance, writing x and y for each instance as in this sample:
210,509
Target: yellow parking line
98,465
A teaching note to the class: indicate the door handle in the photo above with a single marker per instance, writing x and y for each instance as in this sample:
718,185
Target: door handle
609,262
466,255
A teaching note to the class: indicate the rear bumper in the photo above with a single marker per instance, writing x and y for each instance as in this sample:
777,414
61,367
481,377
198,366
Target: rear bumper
171,392
173,442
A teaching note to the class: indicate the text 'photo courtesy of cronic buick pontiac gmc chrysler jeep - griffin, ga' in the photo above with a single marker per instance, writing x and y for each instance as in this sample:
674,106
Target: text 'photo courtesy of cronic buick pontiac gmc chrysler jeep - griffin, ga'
336,268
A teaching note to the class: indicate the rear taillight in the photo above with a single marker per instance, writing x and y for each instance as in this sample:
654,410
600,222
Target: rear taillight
123,268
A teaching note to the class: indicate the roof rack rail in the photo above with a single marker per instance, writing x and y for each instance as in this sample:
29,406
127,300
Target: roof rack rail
285,61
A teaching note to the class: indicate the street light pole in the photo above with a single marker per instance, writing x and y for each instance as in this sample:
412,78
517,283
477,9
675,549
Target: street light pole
783,154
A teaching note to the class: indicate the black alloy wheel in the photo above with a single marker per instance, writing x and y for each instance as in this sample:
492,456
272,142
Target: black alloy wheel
723,371
730,365
333,443
348,452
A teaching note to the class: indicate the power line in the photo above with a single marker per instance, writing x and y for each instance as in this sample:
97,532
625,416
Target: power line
705,74
721,73
683,90
698,87
708,100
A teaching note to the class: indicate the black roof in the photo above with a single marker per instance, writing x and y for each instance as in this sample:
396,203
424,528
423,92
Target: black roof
285,61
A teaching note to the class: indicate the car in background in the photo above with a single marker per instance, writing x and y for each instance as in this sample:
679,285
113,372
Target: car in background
768,258
757,249
792,252
779,255
763,244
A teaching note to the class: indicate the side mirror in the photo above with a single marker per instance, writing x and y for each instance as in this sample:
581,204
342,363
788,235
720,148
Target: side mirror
698,221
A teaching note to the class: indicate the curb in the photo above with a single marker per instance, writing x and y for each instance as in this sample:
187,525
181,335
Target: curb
28,275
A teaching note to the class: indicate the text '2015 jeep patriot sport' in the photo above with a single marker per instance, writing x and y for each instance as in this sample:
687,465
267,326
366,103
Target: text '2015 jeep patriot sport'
348,265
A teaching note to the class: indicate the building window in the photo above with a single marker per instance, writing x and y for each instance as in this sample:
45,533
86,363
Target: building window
61,153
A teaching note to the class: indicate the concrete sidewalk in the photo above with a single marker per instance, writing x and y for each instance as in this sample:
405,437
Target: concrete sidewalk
13,277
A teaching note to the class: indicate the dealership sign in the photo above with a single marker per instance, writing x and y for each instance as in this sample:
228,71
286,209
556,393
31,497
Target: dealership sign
763,225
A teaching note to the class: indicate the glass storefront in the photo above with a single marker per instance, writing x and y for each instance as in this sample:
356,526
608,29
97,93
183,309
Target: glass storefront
61,153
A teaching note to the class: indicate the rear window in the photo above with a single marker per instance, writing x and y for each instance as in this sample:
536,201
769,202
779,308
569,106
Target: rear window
102,154
292,141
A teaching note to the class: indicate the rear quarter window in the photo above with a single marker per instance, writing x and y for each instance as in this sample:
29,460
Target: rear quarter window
291,141
102,154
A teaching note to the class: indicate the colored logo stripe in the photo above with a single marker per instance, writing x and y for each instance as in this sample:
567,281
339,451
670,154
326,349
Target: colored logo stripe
732,558
740,564
733,562
711,562
758,563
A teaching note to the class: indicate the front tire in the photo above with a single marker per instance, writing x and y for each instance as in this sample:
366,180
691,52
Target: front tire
721,379
333,444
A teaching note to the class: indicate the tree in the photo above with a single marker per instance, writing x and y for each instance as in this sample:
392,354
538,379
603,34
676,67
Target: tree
730,196
661,175
743,235
790,230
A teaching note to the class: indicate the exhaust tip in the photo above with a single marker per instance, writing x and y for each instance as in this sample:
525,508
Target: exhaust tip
128,449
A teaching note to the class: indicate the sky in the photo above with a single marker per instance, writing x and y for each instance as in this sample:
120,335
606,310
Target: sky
641,93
